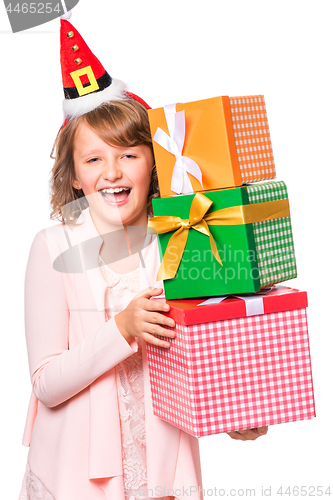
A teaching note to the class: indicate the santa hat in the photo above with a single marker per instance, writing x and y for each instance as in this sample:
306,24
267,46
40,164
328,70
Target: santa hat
86,83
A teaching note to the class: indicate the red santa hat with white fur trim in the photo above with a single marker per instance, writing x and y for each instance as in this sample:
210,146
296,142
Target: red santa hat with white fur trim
86,83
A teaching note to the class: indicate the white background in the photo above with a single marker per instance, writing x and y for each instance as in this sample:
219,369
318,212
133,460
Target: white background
179,51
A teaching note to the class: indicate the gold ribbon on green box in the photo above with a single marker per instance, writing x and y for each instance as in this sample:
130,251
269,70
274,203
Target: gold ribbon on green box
200,220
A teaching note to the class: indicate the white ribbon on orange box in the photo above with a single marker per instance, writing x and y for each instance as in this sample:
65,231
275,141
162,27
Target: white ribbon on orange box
174,144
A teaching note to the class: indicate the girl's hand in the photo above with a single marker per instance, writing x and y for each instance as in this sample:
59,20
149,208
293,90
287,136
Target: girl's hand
249,434
142,319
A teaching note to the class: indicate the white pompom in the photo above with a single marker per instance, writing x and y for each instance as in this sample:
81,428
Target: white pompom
67,15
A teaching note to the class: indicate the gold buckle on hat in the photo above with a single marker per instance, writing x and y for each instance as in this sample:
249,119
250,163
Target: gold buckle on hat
91,77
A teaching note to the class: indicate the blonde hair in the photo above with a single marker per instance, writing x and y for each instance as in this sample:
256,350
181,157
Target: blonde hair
118,123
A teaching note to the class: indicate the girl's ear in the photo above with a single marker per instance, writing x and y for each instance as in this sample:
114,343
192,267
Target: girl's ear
76,184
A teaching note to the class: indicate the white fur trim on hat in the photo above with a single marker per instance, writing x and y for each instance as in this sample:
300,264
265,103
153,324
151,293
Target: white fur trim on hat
67,14
84,104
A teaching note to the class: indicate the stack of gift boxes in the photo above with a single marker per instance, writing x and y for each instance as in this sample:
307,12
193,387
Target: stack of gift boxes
238,361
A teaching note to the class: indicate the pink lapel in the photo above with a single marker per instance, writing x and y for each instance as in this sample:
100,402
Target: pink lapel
87,237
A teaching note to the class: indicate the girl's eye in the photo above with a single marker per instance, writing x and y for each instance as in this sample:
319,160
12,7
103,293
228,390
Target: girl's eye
129,156
92,160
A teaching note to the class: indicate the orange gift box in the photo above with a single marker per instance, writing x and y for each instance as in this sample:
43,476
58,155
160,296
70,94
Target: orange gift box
214,143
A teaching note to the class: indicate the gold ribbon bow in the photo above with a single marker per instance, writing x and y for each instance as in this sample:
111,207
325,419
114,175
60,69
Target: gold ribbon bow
199,220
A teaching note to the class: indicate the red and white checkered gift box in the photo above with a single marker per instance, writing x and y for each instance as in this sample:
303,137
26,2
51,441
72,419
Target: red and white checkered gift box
226,371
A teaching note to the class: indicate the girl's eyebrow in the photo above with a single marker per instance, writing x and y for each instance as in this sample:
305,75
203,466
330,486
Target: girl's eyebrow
98,152
90,152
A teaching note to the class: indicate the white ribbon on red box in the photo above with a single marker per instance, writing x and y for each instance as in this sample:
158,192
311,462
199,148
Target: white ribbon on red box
174,144
254,304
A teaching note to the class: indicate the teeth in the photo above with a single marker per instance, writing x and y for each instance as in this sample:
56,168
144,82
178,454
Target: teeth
116,190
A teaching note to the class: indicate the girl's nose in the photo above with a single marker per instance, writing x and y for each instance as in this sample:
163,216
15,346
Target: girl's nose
112,170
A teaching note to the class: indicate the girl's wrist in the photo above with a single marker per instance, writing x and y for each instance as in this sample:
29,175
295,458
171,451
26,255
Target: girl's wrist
122,328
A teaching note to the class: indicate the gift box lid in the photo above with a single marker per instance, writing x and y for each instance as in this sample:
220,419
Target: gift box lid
279,298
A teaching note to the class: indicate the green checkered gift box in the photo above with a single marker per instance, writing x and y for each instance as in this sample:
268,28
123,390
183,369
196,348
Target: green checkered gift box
227,241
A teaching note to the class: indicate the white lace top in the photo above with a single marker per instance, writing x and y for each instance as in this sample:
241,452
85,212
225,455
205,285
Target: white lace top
121,289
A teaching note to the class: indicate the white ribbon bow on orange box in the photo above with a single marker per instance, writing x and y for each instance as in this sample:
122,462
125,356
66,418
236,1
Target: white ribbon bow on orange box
174,144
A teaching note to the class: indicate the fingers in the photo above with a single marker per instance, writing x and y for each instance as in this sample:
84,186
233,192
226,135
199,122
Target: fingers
156,341
148,321
157,329
154,326
248,434
149,292
143,299
155,318
262,430
150,314
154,305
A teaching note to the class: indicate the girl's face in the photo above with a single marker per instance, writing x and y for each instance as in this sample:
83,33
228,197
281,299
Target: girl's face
115,180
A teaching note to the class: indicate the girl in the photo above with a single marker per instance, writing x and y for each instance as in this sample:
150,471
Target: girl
89,284
90,308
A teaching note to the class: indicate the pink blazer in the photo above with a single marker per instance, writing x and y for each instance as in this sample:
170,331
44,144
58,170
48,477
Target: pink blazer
73,426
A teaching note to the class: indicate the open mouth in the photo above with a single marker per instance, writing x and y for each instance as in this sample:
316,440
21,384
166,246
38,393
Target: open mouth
116,195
